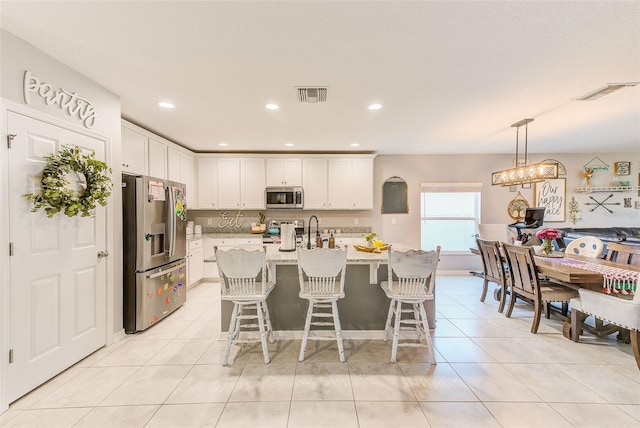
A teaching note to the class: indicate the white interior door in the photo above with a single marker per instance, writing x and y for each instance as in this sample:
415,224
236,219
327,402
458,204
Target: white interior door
58,297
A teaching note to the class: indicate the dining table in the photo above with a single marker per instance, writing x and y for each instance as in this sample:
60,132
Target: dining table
584,272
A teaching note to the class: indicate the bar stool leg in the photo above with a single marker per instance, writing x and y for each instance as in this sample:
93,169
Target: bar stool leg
336,322
267,319
305,336
387,325
263,333
396,331
427,332
231,333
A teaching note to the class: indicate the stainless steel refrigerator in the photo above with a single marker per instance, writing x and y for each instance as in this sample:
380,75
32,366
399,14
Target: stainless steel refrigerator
154,249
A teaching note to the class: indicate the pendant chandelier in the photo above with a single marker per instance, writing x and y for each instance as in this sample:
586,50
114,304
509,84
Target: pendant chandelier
523,172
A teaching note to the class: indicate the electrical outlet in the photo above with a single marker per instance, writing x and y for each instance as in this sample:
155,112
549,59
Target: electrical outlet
209,221
393,220
356,220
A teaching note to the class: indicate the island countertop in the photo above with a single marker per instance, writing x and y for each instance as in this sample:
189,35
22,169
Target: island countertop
274,255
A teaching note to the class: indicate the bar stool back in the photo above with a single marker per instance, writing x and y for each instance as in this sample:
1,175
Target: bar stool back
411,281
321,273
243,281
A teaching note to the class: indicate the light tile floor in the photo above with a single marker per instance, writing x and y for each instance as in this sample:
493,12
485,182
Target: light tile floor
491,372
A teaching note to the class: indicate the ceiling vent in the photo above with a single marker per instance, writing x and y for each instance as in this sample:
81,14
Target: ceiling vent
606,90
312,95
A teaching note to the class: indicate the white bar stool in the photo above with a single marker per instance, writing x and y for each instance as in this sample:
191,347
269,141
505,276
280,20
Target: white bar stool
321,273
411,281
243,280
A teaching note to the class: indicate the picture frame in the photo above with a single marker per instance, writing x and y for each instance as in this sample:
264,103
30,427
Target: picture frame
552,195
622,168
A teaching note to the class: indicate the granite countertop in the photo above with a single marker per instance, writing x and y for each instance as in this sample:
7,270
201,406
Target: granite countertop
274,255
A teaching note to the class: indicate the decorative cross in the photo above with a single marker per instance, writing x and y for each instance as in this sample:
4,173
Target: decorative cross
602,204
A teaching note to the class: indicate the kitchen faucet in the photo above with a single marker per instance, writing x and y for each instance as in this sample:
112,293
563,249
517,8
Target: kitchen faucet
309,230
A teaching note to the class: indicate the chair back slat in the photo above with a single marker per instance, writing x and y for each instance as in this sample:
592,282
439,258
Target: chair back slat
412,273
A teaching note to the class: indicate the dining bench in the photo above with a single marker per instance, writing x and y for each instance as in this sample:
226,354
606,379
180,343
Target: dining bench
619,310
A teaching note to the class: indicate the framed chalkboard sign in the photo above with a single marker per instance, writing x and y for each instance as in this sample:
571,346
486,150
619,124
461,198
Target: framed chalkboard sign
394,196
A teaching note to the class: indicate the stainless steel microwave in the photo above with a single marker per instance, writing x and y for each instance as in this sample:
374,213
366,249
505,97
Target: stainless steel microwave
284,197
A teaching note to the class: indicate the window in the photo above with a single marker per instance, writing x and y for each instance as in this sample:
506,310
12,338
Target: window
449,216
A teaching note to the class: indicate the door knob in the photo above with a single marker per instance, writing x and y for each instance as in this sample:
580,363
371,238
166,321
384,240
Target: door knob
102,254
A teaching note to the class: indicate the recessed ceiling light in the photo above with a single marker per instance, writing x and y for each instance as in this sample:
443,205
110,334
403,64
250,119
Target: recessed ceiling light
272,107
355,144
288,144
375,106
223,144
165,104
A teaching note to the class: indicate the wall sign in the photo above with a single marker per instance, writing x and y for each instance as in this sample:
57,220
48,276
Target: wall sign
551,195
70,102
229,219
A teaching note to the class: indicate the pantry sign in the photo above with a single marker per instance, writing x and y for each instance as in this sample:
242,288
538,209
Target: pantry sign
70,102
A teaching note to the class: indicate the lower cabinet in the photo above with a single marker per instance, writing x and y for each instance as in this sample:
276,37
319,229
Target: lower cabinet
195,261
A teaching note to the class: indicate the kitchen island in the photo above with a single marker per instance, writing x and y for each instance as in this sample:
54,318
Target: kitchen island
363,311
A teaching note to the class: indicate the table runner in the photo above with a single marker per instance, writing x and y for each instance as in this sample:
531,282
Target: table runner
616,280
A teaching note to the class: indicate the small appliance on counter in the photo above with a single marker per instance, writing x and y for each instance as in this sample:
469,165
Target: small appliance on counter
274,233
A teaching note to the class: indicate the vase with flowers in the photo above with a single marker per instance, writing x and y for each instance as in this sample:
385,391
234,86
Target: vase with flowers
547,236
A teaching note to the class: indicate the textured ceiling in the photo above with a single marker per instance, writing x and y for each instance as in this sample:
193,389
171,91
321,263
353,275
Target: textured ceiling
451,76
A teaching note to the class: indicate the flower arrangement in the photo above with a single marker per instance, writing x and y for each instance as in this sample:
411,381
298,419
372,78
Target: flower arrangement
547,235
550,234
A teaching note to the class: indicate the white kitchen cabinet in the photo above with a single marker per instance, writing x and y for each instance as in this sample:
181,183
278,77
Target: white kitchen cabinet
195,261
229,183
284,172
180,169
134,149
252,179
338,183
241,183
157,159
314,183
362,183
208,183
339,194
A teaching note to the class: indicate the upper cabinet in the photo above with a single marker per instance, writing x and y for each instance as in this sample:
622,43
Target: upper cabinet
241,183
314,183
338,183
284,172
134,148
208,183
145,153
157,159
180,169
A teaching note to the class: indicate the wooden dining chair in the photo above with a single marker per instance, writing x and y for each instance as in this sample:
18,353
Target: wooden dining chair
493,269
525,283
623,254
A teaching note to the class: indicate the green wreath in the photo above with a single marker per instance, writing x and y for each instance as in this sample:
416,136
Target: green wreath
55,194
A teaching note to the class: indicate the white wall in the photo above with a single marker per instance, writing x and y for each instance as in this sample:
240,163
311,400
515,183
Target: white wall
416,169
16,57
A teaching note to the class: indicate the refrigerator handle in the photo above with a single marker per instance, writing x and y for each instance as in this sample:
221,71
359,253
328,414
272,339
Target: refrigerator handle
164,272
171,221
